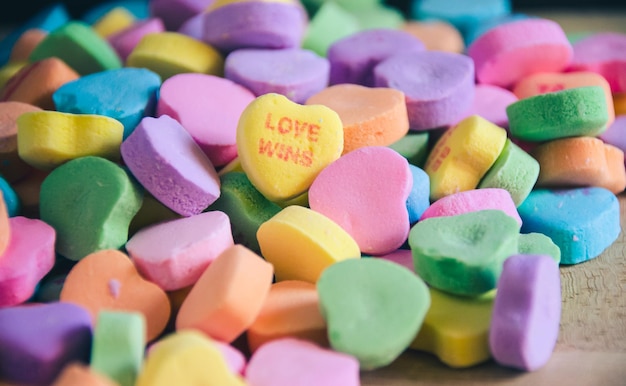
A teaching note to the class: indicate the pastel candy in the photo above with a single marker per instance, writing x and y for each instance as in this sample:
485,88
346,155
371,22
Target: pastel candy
8,70
164,158
583,222
580,161
107,280
414,146
418,200
152,211
186,357
373,309
27,42
78,45
170,53
246,207
193,26
173,254
293,72
228,296
463,155
118,345
37,340
138,8
208,107
291,310
5,227
471,201
291,361
463,254
114,20
545,82
379,15
536,243
305,233
490,102
463,15
436,34
78,374
567,113
602,53
510,51
36,82
456,329
403,257
28,257
48,18
89,182
126,94
619,102
614,134
370,116
124,41
12,167
477,30
48,139
526,312
175,12
432,101
515,170
255,24
283,146
382,180
330,23
353,58
11,200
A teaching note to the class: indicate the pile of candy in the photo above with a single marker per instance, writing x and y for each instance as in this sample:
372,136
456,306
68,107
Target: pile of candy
232,192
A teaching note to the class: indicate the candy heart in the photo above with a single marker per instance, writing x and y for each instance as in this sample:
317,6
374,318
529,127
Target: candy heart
283,146
47,139
108,280
186,358
111,195
365,193
37,341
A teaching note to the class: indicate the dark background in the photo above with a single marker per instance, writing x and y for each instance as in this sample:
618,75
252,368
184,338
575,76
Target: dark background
22,10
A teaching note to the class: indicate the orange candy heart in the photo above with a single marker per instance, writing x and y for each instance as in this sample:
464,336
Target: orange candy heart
107,279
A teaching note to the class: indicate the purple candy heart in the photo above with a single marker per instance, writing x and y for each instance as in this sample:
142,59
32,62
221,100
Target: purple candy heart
38,340
439,86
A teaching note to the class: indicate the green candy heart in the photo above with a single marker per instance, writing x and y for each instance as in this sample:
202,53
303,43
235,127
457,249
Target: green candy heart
89,201
536,243
463,254
245,206
373,308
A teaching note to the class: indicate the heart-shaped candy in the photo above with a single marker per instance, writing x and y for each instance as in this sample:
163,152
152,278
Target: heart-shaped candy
283,146
108,280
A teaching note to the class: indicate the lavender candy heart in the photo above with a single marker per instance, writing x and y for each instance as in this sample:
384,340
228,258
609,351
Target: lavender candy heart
438,86
353,58
526,312
293,72
255,24
38,340
168,163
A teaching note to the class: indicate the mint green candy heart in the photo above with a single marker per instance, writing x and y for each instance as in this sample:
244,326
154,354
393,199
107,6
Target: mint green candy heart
373,308
89,201
463,254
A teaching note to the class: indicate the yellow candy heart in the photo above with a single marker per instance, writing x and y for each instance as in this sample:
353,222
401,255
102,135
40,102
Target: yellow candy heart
283,145
46,139
456,329
186,357
300,243
463,155
171,53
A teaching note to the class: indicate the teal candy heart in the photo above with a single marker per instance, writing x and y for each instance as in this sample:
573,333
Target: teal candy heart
90,202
